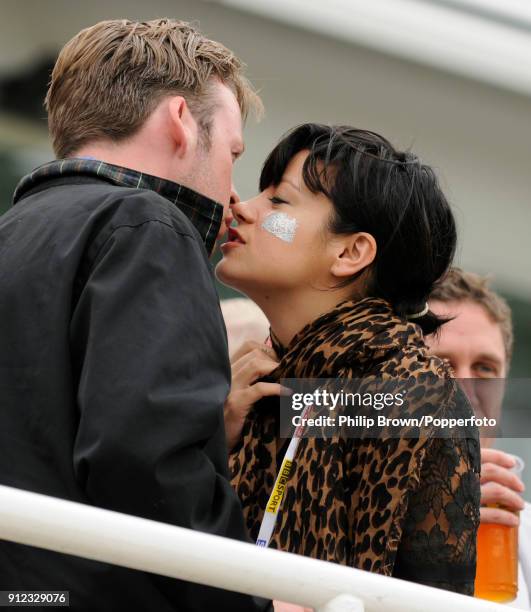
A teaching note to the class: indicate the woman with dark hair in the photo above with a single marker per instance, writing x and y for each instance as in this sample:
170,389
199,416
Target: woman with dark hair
341,249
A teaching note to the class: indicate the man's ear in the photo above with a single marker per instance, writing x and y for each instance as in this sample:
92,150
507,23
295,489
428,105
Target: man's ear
182,125
354,253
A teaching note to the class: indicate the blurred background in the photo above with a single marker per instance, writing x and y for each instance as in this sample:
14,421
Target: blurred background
449,78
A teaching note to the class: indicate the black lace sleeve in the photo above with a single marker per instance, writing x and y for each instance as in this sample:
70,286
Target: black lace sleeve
438,545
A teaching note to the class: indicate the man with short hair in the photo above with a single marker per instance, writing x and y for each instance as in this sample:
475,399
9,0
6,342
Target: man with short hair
478,343
114,366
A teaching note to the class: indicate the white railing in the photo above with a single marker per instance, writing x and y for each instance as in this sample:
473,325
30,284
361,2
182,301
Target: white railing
142,544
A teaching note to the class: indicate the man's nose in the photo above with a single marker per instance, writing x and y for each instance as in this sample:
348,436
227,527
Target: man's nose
462,372
234,199
468,384
234,196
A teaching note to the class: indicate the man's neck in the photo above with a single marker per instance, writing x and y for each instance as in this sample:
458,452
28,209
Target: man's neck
127,156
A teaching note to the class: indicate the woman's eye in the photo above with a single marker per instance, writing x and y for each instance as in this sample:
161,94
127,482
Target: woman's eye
275,200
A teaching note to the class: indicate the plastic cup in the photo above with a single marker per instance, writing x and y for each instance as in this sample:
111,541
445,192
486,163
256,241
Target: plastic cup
497,557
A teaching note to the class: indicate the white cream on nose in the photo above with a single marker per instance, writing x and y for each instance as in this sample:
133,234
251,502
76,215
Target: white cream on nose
280,225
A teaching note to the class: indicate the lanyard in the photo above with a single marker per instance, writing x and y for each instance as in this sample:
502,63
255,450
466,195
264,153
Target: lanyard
275,499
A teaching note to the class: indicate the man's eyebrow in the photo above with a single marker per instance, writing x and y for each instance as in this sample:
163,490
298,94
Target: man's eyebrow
491,357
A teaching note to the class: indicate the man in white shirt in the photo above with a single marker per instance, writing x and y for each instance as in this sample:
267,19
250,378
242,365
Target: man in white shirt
478,344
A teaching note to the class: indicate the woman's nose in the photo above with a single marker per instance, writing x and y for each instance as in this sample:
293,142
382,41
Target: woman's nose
243,212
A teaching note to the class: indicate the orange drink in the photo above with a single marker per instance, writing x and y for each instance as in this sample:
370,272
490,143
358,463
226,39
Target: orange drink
497,558
497,563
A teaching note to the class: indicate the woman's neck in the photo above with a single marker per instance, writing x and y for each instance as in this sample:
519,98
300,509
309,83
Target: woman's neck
288,313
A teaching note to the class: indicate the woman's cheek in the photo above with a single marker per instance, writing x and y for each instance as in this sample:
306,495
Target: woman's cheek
281,225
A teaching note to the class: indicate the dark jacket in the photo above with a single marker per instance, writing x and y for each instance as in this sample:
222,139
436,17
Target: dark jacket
113,374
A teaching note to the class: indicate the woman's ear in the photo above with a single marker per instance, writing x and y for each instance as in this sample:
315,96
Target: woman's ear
355,252
182,126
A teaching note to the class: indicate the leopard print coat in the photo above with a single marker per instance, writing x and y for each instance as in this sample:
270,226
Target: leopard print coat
402,507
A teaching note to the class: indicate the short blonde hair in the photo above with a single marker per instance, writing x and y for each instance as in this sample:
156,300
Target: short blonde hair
460,286
109,78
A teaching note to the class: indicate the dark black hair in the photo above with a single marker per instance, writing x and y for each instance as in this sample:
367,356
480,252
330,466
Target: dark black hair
388,193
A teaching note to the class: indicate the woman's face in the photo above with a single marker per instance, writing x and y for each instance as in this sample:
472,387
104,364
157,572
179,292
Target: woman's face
282,241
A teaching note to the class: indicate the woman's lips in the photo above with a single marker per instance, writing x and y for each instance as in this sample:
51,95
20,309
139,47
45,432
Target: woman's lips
226,246
234,236
233,239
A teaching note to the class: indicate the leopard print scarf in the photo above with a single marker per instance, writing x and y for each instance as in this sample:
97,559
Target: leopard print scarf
353,501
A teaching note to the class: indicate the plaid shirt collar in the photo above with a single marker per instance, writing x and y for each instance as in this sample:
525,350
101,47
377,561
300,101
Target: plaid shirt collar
205,214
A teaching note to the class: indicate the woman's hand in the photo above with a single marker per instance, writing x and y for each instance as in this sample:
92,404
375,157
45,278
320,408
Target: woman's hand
500,486
249,363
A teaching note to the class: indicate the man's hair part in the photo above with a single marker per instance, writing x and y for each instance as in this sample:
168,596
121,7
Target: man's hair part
110,77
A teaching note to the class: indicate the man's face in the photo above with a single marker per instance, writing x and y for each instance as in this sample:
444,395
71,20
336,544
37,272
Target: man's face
473,344
212,169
